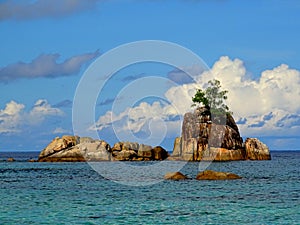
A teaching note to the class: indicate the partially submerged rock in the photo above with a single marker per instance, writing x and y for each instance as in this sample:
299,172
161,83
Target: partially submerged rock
11,159
175,176
31,160
214,175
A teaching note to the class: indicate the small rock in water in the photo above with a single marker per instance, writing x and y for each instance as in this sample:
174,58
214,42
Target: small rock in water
11,160
215,175
32,160
175,176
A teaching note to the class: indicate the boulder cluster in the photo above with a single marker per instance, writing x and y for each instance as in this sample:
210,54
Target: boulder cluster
80,149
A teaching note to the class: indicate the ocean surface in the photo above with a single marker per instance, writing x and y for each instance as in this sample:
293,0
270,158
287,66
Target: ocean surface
74,193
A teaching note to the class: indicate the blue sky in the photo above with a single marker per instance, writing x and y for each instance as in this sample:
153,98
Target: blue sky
252,47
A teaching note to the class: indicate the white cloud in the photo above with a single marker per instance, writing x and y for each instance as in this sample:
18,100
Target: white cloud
268,105
181,97
10,117
41,110
45,65
146,118
280,88
25,9
14,119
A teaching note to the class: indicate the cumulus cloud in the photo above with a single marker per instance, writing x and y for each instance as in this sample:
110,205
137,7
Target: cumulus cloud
14,118
45,65
41,110
145,117
26,9
267,106
10,117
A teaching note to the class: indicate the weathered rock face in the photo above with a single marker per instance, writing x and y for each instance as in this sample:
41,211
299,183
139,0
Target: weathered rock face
200,134
177,149
97,150
76,149
159,153
223,154
71,154
256,150
214,175
61,149
217,139
197,126
59,144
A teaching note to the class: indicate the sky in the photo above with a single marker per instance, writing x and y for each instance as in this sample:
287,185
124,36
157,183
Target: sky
47,47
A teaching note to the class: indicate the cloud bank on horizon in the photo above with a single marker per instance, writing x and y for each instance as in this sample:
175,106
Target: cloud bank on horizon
267,106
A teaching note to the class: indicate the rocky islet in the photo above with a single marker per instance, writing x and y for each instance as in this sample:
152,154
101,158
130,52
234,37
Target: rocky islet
203,138
215,140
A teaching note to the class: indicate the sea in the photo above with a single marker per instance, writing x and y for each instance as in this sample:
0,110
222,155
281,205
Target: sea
76,193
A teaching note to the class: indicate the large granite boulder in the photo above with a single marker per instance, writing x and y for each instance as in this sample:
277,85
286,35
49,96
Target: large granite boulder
59,144
97,150
208,137
200,134
256,150
125,151
215,175
75,149
71,154
159,153
126,155
145,151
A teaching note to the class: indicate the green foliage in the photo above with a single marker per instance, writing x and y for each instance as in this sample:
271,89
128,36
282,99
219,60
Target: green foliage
200,98
212,98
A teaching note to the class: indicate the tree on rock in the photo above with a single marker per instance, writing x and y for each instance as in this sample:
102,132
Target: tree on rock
212,98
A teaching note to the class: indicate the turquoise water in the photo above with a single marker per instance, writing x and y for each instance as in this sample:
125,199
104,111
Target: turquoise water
73,193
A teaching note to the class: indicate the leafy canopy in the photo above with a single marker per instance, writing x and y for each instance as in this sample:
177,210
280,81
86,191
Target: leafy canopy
212,98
